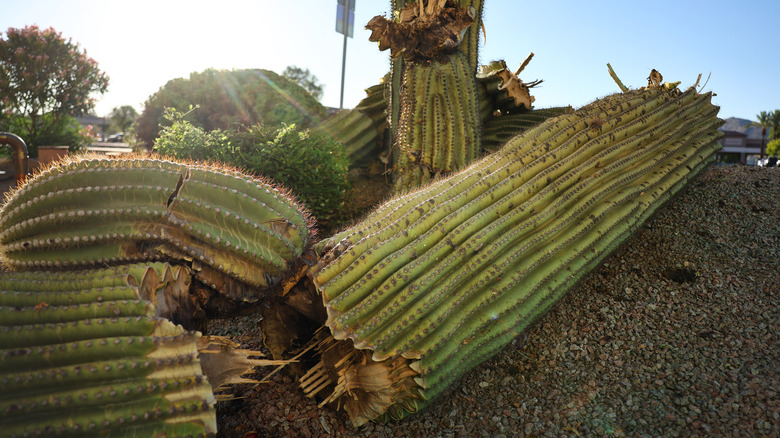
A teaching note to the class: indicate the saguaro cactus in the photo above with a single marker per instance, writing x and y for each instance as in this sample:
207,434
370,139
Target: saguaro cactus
437,280
236,232
434,108
361,130
83,353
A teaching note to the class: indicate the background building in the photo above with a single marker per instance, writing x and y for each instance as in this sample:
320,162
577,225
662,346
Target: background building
742,144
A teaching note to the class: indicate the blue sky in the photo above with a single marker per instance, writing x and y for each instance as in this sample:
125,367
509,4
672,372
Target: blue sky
143,44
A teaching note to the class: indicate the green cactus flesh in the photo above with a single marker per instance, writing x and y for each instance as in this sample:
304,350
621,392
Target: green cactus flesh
96,211
85,353
437,280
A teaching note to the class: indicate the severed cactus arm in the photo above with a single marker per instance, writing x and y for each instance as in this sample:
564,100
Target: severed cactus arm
84,353
92,353
362,129
235,231
444,276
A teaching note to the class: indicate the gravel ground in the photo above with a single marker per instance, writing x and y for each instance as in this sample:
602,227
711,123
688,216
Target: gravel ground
676,334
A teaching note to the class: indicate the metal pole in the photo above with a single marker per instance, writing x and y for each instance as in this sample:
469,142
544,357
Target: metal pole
343,62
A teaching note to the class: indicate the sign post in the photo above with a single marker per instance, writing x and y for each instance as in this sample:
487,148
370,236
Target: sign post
345,23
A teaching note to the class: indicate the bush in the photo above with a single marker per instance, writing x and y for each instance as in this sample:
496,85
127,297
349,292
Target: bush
773,148
51,131
313,166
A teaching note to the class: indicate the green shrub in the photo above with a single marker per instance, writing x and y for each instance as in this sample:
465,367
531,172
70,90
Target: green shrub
313,166
773,148
61,130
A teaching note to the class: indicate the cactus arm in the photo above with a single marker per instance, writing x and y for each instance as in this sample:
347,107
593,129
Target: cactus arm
512,322
99,211
444,276
431,212
95,359
406,209
361,130
480,232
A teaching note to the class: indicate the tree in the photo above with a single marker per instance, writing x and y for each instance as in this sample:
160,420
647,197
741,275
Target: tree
122,117
775,118
773,148
45,79
763,121
227,99
305,79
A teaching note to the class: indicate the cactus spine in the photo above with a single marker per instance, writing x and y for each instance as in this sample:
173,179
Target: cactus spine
446,275
100,211
84,353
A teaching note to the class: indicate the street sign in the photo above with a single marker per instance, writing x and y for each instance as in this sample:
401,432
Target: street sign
345,17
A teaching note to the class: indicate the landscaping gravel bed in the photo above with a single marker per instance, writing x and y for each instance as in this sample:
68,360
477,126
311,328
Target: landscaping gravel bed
676,334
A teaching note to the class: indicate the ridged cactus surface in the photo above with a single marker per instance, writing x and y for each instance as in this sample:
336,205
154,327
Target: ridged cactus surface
497,130
361,130
445,276
94,211
433,108
84,353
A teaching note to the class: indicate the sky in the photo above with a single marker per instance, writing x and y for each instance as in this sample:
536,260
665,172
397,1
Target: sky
142,44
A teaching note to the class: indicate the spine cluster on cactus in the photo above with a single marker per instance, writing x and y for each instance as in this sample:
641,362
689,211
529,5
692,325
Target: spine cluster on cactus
446,275
229,227
85,353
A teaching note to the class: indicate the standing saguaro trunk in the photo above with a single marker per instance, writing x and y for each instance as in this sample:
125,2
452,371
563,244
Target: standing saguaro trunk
434,110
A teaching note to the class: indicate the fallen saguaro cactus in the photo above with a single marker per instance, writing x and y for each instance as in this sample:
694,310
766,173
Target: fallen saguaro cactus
84,353
361,129
94,352
437,280
239,234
